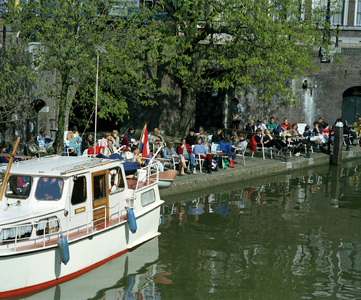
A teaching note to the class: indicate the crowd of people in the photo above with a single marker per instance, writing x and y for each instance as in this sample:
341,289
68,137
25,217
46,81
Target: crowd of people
196,144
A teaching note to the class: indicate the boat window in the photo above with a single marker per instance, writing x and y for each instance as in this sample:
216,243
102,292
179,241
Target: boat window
99,187
22,232
147,197
116,181
79,191
18,187
50,225
49,188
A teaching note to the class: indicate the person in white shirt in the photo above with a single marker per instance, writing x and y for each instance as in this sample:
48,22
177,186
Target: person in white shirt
260,125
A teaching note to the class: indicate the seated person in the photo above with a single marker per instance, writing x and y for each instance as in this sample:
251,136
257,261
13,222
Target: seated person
45,142
169,152
3,159
307,132
260,125
218,137
33,150
296,132
130,138
318,134
270,137
262,140
326,130
104,140
86,142
191,139
109,149
115,138
156,139
226,148
249,128
98,149
321,123
136,157
237,113
293,140
272,126
74,140
185,150
199,150
285,124
234,137
203,135
10,151
357,127
241,143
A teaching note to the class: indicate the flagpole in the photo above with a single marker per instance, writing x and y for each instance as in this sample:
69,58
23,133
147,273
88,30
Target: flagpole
140,140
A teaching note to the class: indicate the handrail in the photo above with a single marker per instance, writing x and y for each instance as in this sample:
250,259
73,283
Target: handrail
44,236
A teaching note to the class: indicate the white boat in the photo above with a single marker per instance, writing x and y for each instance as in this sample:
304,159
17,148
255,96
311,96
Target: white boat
85,200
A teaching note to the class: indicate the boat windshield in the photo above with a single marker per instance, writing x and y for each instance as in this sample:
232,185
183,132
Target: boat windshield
49,188
17,186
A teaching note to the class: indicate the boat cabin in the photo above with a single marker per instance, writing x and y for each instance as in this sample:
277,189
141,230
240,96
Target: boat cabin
76,196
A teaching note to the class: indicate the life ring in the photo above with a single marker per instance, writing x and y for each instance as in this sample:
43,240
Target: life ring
111,174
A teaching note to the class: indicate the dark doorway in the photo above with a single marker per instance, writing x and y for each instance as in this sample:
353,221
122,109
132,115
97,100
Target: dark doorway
351,104
210,110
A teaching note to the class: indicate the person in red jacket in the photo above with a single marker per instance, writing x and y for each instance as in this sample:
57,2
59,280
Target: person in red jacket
285,124
185,150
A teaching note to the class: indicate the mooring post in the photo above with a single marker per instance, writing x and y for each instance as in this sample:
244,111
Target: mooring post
308,154
337,144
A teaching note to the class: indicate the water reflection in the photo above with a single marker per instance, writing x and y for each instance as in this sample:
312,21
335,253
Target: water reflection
297,238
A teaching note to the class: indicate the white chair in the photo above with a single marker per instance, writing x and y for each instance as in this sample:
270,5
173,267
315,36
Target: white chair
263,148
301,127
240,153
198,160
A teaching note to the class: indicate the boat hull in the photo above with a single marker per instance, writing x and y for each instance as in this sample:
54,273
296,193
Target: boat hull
28,272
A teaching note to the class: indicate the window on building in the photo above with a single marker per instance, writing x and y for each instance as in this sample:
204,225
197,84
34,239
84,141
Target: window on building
358,13
338,9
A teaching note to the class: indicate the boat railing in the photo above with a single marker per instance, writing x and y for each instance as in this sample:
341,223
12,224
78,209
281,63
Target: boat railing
153,165
52,229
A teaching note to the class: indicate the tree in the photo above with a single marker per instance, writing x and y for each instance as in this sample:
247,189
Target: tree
240,43
69,34
16,74
18,80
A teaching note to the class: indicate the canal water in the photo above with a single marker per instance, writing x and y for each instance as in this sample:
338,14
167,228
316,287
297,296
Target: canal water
291,236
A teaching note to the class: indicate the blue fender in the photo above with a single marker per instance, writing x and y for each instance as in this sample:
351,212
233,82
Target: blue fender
64,250
131,220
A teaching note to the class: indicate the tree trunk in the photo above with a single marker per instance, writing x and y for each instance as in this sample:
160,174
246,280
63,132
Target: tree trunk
186,112
61,117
